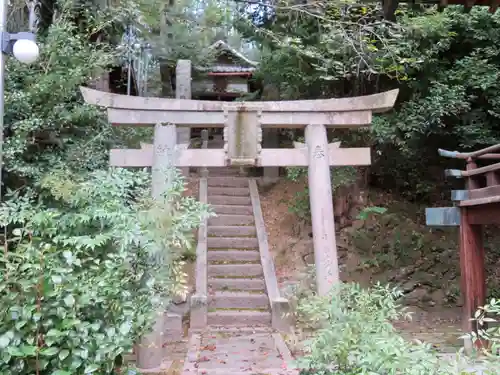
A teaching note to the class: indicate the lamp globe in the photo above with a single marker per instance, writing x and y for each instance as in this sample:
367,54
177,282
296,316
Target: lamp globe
25,51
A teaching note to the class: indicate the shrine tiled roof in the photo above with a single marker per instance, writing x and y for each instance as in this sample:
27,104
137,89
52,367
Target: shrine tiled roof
223,46
228,69
242,65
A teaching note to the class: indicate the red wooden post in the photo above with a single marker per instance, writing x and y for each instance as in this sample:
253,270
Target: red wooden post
492,178
471,182
473,279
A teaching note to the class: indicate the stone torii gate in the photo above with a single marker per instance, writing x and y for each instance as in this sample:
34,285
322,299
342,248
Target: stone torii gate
243,123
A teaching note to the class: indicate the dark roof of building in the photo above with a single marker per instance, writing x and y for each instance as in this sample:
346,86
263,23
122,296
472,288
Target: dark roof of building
246,65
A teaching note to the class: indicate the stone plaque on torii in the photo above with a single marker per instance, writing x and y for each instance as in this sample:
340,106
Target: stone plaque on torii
243,123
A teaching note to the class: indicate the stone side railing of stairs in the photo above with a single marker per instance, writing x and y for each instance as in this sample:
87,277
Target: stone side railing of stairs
280,307
199,301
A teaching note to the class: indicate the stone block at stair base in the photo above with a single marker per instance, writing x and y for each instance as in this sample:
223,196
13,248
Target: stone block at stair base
172,328
160,370
282,319
199,305
149,352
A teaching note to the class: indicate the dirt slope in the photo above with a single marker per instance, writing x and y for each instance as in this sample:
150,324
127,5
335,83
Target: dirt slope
394,247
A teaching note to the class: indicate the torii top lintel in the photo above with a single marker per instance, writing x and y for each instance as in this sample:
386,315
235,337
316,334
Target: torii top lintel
343,112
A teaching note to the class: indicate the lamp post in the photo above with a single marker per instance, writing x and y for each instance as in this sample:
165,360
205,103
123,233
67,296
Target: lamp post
24,48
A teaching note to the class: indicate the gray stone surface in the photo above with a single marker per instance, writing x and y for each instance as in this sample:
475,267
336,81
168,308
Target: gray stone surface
183,91
237,191
240,352
229,220
229,181
233,243
230,318
237,284
220,231
228,200
232,209
239,300
232,256
235,270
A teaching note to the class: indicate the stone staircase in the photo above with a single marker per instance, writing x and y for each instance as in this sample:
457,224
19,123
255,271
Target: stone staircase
236,285
242,292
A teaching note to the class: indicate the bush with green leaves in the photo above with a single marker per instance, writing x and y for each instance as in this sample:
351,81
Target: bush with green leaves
487,319
47,123
447,64
354,335
83,275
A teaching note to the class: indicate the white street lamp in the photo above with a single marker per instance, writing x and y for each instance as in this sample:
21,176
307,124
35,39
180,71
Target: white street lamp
26,51
24,48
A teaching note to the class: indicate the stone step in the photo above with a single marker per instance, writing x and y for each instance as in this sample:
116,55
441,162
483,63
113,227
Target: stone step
228,220
228,181
239,330
232,243
233,256
239,336
238,300
224,171
235,270
237,284
239,318
232,209
249,371
234,191
229,200
234,231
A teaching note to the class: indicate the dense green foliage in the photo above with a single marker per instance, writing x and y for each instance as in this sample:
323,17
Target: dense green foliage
88,256
446,66
83,276
47,124
354,335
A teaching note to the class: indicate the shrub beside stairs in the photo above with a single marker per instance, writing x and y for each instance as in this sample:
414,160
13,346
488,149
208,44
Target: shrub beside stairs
237,310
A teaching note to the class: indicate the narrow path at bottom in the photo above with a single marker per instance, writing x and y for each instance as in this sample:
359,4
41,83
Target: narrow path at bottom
238,351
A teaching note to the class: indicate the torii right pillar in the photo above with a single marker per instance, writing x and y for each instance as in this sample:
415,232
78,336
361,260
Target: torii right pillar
323,221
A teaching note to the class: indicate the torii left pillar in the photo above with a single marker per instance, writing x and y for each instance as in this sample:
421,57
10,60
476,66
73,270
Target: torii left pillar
149,354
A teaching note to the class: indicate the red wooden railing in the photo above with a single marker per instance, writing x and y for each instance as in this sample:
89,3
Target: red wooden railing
482,183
